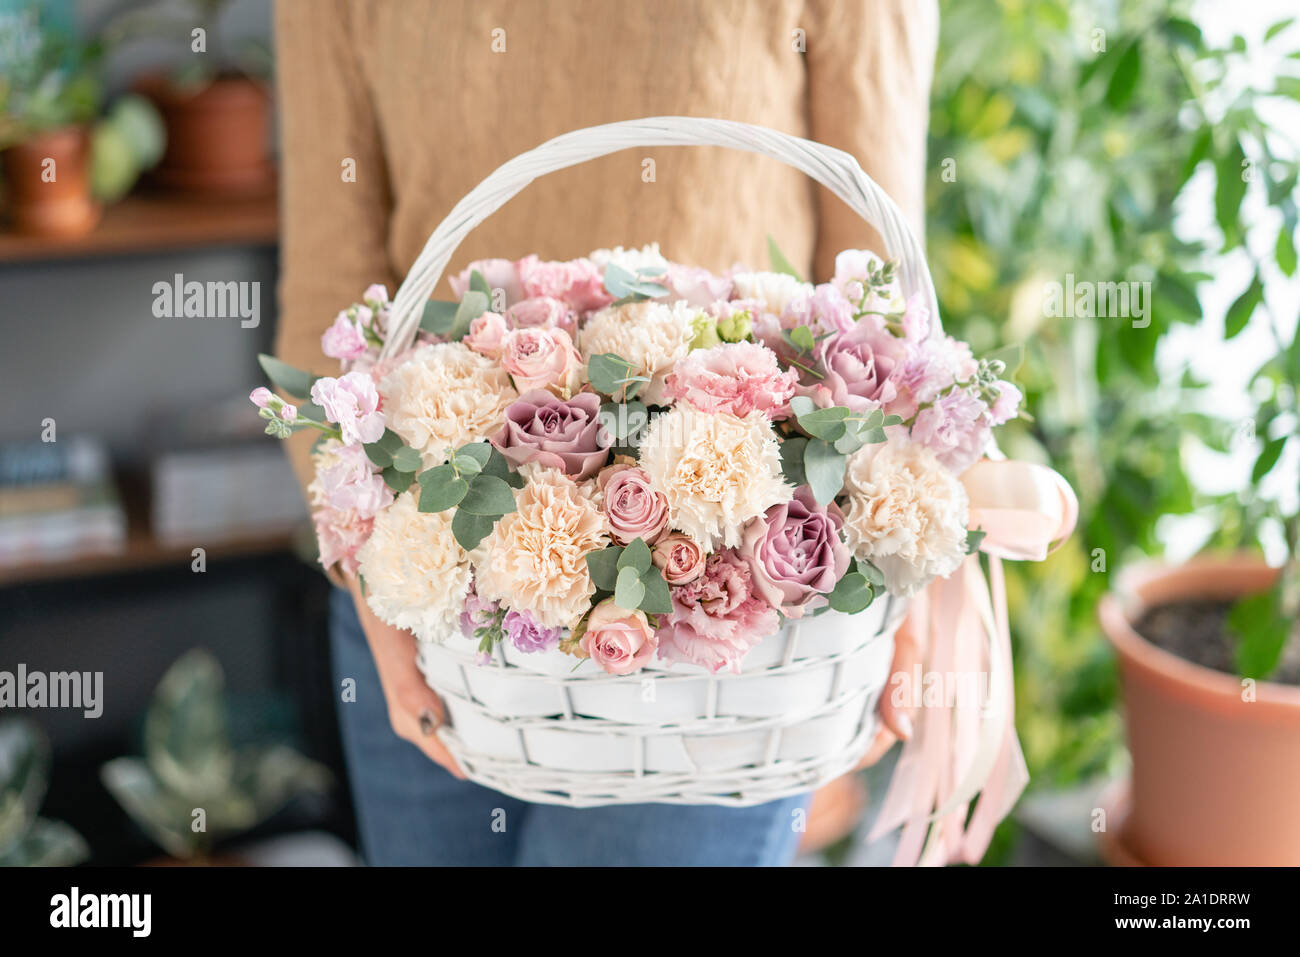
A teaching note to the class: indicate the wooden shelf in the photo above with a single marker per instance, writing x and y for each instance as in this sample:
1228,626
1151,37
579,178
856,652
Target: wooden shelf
152,222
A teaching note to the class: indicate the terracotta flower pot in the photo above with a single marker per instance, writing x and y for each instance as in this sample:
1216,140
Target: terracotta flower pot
1216,777
47,181
217,136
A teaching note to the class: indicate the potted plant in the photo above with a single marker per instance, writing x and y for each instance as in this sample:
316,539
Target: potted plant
194,786
26,839
1209,655
215,104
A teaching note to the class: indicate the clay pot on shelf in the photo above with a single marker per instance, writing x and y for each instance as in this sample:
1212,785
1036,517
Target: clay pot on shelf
1216,761
217,136
47,184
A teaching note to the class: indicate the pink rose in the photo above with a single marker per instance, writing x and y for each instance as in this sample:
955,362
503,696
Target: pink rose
486,335
352,401
679,557
733,377
618,640
578,282
541,358
858,366
632,507
795,553
500,274
555,433
718,617
543,311
343,340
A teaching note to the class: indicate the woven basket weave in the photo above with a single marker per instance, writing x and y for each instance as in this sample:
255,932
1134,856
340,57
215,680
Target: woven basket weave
802,709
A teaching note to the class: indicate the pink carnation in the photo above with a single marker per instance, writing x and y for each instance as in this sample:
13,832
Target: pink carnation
932,366
955,428
352,401
734,377
352,483
699,287
578,282
718,617
344,339
340,533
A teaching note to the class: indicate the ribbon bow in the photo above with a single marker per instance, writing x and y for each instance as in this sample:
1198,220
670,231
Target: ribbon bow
965,743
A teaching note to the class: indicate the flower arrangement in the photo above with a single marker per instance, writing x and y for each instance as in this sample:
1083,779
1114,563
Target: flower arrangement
625,458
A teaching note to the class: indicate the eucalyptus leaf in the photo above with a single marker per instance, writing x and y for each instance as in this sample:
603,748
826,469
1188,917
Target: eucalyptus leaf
488,495
406,459
628,590
658,600
441,489
778,260
603,567
824,468
294,382
471,529
635,556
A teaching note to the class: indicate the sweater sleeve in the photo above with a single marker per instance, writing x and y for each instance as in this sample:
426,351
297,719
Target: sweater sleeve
869,66
334,186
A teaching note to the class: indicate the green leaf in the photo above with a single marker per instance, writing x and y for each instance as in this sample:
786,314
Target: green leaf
602,565
624,420
294,382
378,455
778,261
467,464
396,479
628,590
440,489
625,285
1261,630
613,375
792,452
1200,149
1239,312
497,466
1285,250
488,495
658,600
1277,28
635,556
1267,458
1230,190
406,459
824,467
1123,81
802,337
871,573
852,594
478,282
1011,357
473,305
825,424
1287,86
439,317
974,538
470,529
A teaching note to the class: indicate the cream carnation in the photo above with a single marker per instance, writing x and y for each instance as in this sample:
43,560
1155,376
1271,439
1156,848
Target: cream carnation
906,514
416,574
776,290
445,396
535,559
652,336
716,470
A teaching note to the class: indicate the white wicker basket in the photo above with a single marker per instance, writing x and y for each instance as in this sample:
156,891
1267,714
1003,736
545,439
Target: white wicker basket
802,710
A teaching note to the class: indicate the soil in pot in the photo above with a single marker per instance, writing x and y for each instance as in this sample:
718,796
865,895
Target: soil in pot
1196,631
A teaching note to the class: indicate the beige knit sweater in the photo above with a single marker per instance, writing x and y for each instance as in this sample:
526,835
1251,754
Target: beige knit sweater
423,98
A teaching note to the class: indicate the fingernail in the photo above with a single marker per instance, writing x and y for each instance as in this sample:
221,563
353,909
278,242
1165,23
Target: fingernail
428,721
905,727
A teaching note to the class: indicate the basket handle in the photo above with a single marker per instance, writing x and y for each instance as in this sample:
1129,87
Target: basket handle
835,169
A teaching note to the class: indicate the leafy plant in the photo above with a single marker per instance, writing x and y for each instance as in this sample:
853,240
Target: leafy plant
158,19
48,79
27,840
193,786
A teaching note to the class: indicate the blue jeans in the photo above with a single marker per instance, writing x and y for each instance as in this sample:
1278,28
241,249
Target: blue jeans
410,811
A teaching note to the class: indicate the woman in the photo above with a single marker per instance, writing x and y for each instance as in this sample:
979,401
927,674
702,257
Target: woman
392,111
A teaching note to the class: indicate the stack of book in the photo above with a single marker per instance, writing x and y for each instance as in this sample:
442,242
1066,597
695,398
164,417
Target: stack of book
58,501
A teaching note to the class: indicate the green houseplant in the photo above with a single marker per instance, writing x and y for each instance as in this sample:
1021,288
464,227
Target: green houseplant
26,839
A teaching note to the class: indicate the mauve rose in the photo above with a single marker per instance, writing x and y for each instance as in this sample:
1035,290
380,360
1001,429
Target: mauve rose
858,365
541,358
618,640
632,507
543,311
679,557
795,552
487,332
556,433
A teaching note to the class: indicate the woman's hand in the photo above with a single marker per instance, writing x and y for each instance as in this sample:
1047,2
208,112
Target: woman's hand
897,719
414,711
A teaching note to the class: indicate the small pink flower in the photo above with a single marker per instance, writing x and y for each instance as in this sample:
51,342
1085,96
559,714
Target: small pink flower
486,333
718,617
343,340
288,412
699,287
679,557
351,483
955,428
1006,405
261,396
543,311
340,533
500,274
541,358
618,640
733,377
376,295
352,401
578,282
632,508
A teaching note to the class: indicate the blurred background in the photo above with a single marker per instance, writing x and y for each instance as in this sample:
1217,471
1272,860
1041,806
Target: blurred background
1150,143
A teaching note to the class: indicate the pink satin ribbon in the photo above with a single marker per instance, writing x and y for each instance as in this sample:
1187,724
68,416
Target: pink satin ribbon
964,746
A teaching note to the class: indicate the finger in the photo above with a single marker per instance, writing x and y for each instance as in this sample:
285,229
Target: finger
883,741
422,714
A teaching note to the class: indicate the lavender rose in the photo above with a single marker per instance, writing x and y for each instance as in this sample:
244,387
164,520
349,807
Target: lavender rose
633,509
795,553
858,366
557,433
